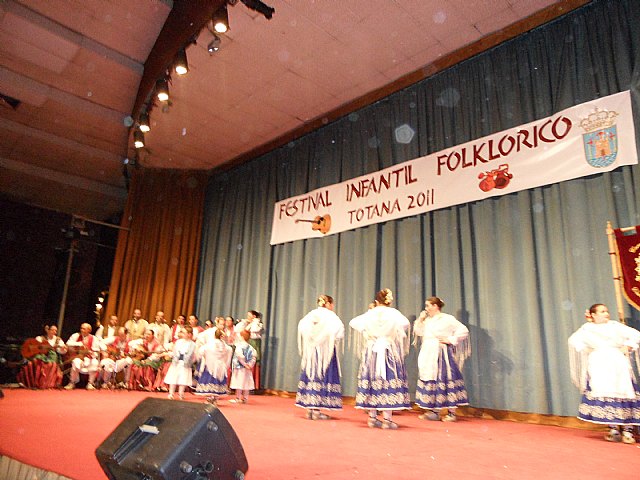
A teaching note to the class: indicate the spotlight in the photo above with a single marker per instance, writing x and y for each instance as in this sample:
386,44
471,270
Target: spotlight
162,90
181,66
144,122
138,139
220,20
214,45
260,7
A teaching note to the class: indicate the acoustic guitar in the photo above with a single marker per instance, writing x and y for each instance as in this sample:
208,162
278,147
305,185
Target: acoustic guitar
32,347
75,352
322,223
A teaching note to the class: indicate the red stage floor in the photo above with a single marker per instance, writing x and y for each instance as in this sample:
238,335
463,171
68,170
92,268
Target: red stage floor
60,430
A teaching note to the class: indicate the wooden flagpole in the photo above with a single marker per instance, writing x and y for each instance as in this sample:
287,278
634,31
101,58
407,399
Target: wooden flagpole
613,255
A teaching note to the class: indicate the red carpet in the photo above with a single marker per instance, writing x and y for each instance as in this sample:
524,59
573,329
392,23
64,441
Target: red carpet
60,430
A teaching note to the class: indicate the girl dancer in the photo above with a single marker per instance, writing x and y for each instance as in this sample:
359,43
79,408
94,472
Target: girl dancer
179,372
244,359
445,346
215,356
319,386
600,367
382,378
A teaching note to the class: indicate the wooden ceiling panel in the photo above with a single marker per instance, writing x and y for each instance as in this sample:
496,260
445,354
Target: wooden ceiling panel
253,67
88,76
289,39
424,57
129,27
388,37
496,22
524,8
11,85
185,156
8,140
256,109
290,90
103,81
214,82
37,44
475,11
336,17
80,197
30,54
63,159
328,75
50,123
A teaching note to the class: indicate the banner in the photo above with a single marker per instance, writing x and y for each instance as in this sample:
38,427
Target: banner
593,137
628,245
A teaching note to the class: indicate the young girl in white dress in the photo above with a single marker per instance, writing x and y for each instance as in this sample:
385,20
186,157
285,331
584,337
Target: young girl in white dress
179,372
244,359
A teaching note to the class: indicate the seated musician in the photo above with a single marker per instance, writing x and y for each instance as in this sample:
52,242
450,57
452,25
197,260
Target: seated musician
43,369
115,358
85,350
145,356
178,324
110,331
164,362
161,330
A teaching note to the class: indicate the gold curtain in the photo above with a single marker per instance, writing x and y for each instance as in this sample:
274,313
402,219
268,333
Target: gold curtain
156,262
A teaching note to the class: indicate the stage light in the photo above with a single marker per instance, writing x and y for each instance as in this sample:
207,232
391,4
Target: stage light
214,45
138,139
162,89
260,7
181,65
220,20
144,122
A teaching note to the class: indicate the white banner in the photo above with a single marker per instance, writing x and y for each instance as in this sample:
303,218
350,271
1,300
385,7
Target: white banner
590,138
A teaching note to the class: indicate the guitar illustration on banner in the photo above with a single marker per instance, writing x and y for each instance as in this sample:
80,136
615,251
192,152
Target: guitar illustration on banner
321,223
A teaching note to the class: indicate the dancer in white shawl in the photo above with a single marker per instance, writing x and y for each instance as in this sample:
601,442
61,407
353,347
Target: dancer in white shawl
179,372
600,367
215,358
382,378
445,346
319,386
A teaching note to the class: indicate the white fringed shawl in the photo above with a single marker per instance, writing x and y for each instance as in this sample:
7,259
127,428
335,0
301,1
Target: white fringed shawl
434,329
380,329
600,353
319,333
216,357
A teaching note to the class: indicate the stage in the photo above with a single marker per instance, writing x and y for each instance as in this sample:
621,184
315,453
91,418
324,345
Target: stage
59,430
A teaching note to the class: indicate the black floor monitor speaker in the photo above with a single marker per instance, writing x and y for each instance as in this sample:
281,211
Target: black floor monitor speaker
173,440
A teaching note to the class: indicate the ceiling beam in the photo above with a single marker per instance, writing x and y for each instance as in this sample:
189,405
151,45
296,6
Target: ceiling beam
69,35
64,178
11,80
37,134
185,21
